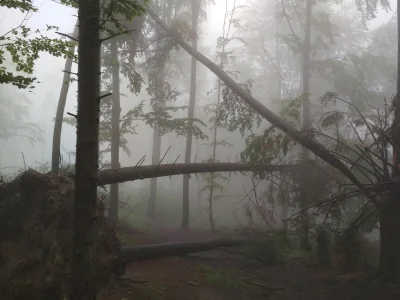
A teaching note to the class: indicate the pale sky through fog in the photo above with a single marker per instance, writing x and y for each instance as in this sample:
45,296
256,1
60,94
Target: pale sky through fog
48,70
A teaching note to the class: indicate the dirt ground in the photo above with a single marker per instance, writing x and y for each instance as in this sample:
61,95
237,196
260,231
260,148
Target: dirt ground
218,275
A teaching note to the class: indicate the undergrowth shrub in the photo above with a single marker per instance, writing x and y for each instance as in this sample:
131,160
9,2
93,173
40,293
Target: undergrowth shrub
272,250
354,251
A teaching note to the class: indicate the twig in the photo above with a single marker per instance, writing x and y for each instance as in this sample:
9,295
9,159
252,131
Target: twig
23,158
140,161
69,72
72,115
166,152
68,36
115,35
227,251
105,95
271,288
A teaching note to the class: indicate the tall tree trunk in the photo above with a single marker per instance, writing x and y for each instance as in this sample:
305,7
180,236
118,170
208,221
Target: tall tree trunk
192,102
115,134
284,199
153,182
389,265
87,150
156,141
62,100
214,155
304,196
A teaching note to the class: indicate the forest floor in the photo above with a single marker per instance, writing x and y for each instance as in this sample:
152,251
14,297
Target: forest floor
218,275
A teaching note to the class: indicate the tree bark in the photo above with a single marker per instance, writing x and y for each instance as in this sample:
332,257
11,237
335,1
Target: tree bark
304,155
115,134
192,102
87,150
62,100
153,183
144,252
277,121
106,177
389,264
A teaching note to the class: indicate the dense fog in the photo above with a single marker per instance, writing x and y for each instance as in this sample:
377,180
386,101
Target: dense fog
258,48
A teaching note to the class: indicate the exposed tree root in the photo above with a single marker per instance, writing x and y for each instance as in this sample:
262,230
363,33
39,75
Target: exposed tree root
36,239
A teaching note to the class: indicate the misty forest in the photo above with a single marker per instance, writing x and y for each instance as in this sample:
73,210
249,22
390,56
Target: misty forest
199,149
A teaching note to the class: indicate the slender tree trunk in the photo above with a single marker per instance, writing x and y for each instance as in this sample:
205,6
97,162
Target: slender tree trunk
389,263
304,197
214,154
221,64
153,182
192,102
278,67
115,138
156,141
62,100
87,150
283,199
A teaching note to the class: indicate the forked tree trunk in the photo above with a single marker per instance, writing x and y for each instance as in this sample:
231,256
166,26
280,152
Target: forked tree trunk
62,100
115,134
87,150
192,102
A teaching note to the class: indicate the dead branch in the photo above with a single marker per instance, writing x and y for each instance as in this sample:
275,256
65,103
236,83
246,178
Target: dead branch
271,288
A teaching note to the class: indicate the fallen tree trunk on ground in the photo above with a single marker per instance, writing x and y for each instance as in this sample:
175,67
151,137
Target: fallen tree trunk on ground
106,177
303,138
37,261
144,252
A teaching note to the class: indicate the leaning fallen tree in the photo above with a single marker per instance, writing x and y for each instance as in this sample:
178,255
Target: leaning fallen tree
106,177
303,138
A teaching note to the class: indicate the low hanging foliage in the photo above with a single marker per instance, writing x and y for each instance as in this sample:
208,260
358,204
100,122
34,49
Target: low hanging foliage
24,51
265,148
236,114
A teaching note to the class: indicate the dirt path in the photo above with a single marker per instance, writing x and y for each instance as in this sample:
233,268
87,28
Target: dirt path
217,275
